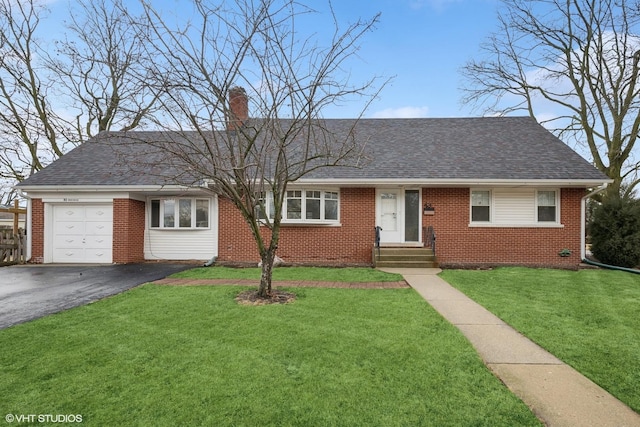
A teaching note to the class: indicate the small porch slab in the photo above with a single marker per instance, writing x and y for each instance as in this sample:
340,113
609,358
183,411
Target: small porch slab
387,256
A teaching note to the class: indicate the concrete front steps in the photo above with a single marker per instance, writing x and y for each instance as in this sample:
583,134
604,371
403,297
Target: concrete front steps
398,257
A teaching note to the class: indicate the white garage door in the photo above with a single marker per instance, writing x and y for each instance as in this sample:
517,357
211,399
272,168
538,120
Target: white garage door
82,233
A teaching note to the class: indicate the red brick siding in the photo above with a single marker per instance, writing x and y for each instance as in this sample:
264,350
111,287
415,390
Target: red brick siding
459,244
128,230
349,243
37,231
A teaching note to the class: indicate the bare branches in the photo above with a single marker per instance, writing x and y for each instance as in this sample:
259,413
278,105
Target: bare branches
253,45
52,99
103,65
29,128
121,66
288,78
572,63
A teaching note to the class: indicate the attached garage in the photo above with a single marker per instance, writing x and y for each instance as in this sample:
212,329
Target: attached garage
81,233
118,227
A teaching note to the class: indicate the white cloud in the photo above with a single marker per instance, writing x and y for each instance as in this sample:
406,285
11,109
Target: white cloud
401,113
438,5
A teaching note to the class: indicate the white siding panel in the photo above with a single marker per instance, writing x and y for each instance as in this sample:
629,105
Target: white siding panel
514,206
181,245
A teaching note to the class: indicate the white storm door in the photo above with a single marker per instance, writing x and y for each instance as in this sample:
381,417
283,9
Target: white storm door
389,215
82,233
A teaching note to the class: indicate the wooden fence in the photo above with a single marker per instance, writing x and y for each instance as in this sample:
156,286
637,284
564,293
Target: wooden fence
12,247
16,211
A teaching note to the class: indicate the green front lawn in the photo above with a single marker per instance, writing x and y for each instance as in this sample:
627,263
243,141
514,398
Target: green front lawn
321,274
590,318
162,355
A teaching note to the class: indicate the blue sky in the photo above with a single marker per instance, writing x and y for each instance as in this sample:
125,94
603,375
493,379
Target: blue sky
421,43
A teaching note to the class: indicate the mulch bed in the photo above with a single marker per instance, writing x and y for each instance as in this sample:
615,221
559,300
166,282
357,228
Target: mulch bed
283,283
276,297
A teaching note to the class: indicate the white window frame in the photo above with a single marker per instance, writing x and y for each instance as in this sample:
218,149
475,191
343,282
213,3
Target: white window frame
295,194
176,225
477,190
557,205
268,202
532,223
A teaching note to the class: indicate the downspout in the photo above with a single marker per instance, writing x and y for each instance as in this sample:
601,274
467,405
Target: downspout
583,242
27,225
610,267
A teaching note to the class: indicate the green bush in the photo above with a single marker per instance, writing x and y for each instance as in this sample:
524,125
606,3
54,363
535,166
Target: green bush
615,232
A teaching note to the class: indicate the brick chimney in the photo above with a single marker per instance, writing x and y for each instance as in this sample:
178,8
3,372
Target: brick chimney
238,108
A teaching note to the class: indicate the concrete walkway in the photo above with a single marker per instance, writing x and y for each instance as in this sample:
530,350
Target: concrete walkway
557,394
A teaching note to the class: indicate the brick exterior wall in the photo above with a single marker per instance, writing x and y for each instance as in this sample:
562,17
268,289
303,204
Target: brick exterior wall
37,231
349,244
128,231
460,245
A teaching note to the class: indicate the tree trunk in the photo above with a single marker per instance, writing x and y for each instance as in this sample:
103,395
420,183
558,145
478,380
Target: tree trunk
613,190
267,271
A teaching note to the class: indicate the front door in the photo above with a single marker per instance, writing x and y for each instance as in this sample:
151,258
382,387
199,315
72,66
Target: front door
398,214
389,215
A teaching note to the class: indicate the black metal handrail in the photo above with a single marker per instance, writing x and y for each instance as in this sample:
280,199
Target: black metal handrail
377,241
429,238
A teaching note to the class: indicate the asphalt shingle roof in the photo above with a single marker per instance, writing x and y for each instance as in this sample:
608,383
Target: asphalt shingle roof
495,148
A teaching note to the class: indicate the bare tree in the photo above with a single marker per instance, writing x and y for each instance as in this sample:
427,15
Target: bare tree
103,68
253,52
54,99
29,127
578,58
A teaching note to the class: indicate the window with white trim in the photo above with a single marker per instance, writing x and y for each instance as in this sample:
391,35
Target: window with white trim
480,206
294,204
179,213
312,204
331,199
303,205
546,206
514,207
265,206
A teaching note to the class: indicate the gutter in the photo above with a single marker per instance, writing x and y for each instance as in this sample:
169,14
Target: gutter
449,182
113,188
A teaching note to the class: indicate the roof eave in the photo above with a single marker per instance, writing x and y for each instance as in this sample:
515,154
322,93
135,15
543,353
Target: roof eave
446,182
395,182
104,188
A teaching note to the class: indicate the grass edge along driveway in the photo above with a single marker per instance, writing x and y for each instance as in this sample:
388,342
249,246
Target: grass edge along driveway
162,355
590,319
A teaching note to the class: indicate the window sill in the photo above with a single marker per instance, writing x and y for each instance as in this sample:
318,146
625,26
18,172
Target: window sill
533,225
179,229
308,224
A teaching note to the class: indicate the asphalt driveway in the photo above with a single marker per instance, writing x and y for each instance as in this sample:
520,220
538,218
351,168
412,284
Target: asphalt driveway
33,291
